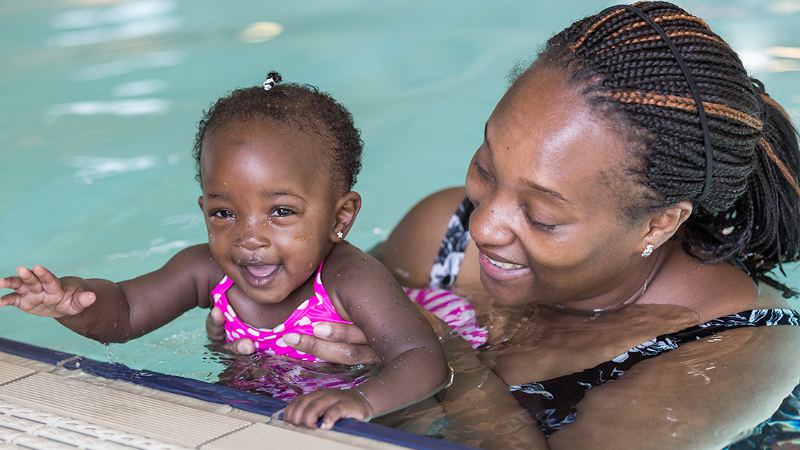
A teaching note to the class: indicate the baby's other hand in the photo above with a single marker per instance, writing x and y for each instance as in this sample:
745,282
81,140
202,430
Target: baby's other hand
329,404
39,292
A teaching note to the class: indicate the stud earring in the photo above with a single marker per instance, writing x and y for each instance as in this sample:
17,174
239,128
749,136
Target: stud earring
648,250
339,234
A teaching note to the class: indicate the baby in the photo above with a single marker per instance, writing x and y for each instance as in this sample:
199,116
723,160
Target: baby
276,164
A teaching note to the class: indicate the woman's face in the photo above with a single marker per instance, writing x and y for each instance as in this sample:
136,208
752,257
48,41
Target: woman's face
547,186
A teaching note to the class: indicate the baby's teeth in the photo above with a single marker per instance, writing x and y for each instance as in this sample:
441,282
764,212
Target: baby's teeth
505,266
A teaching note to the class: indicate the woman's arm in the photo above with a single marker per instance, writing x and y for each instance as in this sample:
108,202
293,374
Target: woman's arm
410,249
706,394
116,312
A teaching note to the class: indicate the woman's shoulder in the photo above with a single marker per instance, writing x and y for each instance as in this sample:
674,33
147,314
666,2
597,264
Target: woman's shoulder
412,246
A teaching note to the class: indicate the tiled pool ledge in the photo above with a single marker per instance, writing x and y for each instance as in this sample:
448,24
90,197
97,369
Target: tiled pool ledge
51,399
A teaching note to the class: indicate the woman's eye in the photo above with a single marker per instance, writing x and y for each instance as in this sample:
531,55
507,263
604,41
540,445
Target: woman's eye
536,224
541,225
281,212
482,172
222,214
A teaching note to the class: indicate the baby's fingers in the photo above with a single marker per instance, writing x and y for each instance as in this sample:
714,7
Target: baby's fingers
304,411
12,299
30,279
50,283
10,283
85,299
333,414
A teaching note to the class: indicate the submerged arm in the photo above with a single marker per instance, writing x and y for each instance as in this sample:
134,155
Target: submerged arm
706,394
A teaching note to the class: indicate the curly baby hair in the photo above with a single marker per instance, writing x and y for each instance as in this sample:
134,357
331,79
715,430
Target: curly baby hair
299,105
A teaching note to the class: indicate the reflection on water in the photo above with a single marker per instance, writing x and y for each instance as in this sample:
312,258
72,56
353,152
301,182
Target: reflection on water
285,378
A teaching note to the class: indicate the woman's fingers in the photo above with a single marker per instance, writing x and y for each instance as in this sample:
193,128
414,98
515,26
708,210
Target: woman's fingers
332,351
215,325
339,332
241,347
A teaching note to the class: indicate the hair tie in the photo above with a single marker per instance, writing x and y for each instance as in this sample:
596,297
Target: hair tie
695,93
273,78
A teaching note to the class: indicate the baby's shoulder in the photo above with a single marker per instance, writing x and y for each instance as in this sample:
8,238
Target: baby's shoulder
349,270
196,261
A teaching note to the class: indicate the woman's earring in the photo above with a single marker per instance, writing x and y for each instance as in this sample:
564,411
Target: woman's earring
339,234
648,250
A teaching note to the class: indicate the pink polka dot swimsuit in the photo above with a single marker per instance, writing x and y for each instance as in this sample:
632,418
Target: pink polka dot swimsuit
270,340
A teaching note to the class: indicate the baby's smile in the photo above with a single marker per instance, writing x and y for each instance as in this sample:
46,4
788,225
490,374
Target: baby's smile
259,275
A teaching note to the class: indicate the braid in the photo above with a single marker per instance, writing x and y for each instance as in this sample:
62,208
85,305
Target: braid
751,214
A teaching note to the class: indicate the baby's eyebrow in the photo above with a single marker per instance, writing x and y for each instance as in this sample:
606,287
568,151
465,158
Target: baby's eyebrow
217,195
268,193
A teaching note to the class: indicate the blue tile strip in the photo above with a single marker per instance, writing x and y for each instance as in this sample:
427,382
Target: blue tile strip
215,393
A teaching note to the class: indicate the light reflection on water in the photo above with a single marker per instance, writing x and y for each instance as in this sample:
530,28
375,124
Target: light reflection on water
115,88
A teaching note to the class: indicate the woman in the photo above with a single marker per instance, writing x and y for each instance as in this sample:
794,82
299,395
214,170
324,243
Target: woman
632,189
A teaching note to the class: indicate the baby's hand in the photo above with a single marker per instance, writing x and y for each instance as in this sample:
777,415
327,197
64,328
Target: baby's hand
39,292
330,404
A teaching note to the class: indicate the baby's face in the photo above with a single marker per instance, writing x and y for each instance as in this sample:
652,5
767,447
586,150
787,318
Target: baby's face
268,205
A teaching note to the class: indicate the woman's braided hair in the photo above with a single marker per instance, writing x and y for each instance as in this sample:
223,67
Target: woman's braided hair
751,215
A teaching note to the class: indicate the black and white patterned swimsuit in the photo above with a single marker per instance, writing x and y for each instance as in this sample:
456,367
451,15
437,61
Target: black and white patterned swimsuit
553,403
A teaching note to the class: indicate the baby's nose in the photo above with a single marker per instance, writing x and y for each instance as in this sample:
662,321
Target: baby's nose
253,234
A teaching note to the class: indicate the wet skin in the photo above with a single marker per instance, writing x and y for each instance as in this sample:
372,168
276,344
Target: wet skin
577,250
271,242
273,213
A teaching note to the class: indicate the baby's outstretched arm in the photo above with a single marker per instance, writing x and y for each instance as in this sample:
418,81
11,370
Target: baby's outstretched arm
115,312
414,364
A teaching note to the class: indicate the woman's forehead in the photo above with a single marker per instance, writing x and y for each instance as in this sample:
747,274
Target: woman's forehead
545,128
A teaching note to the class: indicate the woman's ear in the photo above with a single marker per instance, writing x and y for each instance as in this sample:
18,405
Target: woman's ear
345,214
666,223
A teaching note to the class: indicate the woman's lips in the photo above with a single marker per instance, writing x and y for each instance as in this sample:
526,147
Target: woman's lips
259,275
501,271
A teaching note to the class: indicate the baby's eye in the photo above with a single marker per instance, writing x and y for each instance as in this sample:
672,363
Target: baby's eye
281,212
222,214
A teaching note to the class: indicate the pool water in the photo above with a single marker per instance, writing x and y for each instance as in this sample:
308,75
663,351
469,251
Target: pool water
101,99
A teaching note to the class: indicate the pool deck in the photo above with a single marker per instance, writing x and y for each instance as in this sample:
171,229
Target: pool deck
44,406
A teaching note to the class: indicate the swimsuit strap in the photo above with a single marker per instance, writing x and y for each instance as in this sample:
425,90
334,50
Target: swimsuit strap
555,401
447,265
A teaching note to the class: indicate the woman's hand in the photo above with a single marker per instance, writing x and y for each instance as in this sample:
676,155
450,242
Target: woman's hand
334,342
39,292
328,404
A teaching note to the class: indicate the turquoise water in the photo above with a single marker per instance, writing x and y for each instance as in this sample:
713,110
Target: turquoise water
101,100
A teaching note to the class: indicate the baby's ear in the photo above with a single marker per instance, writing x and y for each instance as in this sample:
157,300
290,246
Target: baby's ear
200,202
346,211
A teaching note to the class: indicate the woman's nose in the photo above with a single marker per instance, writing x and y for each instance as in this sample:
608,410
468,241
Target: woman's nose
490,223
253,233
